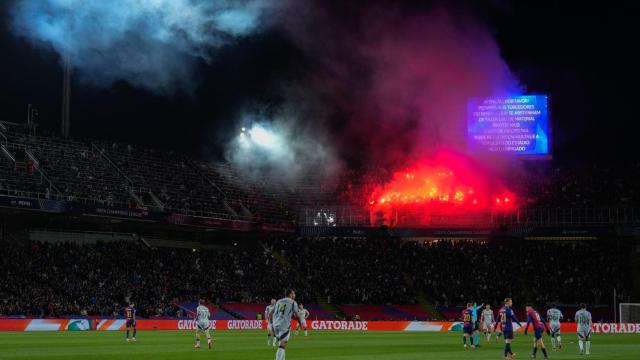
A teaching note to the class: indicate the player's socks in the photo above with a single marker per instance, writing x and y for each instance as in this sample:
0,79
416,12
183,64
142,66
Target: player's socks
464,341
559,341
306,333
280,354
544,352
581,346
588,347
476,339
197,343
209,343
134,334
535,352
127,334
553,343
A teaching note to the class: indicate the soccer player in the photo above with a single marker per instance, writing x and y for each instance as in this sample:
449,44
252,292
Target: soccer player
583,318
487,321
130,316
476,323
539,325
506,319
285,309
202,323
303,314
553,318
468,325
268,313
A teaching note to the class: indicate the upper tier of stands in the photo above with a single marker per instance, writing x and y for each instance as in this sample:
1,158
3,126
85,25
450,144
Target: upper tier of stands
121,175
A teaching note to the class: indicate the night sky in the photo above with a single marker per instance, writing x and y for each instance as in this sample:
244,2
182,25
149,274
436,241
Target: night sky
583,55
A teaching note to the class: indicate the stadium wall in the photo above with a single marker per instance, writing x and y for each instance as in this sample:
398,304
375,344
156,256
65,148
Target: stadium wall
316,325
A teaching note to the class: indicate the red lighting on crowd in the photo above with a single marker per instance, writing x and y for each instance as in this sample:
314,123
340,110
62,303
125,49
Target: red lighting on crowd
448,185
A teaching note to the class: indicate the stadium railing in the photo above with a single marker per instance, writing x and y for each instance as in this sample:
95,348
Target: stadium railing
358,217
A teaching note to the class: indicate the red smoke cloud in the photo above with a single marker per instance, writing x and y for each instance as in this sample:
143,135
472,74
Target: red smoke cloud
448,187
397,81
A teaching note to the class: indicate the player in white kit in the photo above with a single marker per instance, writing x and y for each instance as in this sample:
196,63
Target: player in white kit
202,323
285,309
584,320
553,318
303,314
487,321
268,313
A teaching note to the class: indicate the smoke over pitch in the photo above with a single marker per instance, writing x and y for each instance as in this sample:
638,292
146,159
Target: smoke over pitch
388,84
398,78
392,85
151,44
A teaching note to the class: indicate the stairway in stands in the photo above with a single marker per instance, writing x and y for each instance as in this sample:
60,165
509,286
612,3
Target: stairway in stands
423,299
332,309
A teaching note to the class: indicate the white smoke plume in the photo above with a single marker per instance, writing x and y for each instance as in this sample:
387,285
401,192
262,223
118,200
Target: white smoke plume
152,44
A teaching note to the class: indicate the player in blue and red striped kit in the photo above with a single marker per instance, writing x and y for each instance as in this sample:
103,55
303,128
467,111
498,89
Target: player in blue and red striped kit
506,319
130,315
539,326
468,326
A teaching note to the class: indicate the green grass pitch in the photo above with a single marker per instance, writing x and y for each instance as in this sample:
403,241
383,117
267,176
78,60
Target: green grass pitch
250,345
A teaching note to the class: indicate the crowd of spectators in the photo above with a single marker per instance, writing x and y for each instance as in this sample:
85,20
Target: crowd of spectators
57,279
601,184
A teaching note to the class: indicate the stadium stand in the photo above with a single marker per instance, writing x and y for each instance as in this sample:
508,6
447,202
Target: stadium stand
384,278
121,175
113,174
68,278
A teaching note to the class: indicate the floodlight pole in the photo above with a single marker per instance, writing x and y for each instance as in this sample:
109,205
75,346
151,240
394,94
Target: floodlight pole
66,96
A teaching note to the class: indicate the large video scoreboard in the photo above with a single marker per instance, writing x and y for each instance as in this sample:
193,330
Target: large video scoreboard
516,125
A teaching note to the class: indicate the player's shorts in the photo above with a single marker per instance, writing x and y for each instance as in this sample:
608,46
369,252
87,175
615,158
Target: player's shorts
537,333
584,334
130,323
303,323
467,329
282,334
487,325
508,334
555,329
203,325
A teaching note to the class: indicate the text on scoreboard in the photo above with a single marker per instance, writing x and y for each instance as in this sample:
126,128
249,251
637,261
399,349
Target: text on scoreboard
510,125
